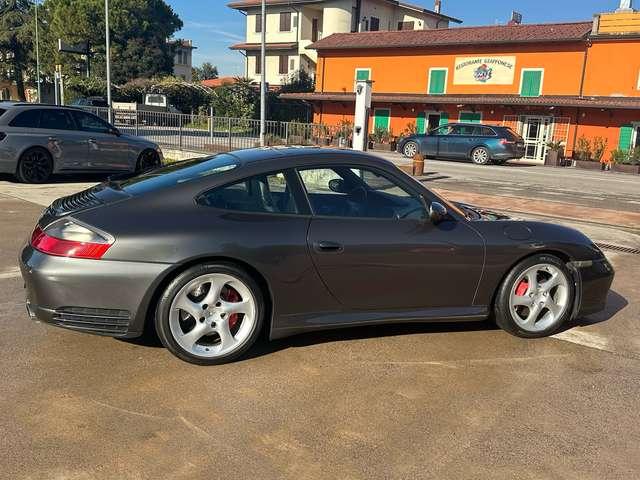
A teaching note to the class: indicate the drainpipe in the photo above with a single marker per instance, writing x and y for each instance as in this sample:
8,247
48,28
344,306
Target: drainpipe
357,14
584,67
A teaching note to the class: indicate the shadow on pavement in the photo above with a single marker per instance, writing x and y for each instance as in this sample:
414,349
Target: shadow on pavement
57,179
615,304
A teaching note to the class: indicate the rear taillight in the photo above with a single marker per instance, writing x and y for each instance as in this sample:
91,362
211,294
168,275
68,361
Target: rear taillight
505,141
66,238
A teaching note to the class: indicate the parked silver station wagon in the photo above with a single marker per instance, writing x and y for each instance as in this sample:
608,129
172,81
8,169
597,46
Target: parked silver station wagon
39,140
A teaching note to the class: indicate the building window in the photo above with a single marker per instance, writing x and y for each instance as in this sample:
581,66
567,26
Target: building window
258,69
470,117
284,65
531,82
406,25
292,64
375,24
285,21
363,74
438,81
258,23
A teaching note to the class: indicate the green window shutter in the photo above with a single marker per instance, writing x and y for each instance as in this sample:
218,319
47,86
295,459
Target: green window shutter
362,74
381,119
437,82
626,133
444,118
531,84
470,117
420,122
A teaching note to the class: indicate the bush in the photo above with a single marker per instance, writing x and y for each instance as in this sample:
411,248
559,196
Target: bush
239,100
599,147
583,150
380,135
186,97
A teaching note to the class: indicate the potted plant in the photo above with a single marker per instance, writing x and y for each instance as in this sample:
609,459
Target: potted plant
626,162
583,155
382,139
599,148
555,154
344,134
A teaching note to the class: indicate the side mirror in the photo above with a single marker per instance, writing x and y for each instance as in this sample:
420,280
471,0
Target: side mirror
337,185
437,213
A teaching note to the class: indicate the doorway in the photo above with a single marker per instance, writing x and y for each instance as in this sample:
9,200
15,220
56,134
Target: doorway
536,132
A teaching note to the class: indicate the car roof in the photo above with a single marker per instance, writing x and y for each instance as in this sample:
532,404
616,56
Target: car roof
9,104
475,125
326,155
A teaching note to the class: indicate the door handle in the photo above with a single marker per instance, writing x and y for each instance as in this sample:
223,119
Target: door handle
328,247
53,139
92,140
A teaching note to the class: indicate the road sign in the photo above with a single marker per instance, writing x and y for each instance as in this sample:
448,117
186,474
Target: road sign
81,48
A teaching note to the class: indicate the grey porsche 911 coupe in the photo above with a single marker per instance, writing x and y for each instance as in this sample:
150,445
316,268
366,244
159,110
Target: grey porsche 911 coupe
212,251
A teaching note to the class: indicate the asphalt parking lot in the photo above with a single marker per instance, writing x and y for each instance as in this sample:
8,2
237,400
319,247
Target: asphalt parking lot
418,401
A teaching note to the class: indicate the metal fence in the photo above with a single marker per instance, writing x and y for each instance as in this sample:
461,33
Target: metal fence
207,133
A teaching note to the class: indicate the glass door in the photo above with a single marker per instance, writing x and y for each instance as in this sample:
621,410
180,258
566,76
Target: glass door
536,132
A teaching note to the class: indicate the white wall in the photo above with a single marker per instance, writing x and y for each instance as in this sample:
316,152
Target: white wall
273,76
274,34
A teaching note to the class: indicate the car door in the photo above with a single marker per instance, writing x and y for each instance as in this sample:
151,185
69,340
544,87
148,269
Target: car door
374,249
107,150
69,149
442,138
462,140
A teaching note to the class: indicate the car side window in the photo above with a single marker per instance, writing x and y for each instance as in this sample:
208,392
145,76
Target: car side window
483,132
463,130
27,119
444,130
265,193
91,123
358,192
56,120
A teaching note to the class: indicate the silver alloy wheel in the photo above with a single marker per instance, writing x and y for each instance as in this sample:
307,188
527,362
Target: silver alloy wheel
213,315
410,149
480,156
539,297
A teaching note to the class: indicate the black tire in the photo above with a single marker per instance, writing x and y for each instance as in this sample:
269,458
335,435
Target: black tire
148,160
410,146
481,156
35,166
501,308
164,304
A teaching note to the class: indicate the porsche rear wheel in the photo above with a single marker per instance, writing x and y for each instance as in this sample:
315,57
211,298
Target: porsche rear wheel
210,314
536,298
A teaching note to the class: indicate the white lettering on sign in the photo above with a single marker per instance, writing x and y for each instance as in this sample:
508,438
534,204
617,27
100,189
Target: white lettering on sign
484,71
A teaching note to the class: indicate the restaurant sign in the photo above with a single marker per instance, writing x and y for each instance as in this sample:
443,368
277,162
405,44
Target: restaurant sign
484,71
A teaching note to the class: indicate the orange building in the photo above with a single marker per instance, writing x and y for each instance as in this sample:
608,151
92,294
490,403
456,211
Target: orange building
547,81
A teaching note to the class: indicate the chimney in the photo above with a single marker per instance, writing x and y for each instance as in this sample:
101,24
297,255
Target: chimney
438,6
625,6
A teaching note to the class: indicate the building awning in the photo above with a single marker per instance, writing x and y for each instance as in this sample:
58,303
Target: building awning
269,46
630,103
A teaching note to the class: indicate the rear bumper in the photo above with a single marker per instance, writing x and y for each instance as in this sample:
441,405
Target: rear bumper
595,281
96,296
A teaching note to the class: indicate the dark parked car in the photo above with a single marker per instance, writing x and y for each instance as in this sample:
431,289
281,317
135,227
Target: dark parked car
90,102
39,140
213,251
482,144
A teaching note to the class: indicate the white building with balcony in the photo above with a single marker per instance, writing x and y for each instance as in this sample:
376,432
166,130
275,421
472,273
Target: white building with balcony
292,25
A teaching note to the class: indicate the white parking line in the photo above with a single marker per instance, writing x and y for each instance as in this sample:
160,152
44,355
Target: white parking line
586,339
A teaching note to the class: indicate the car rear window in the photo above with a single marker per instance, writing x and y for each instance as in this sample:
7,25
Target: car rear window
2,110
176,173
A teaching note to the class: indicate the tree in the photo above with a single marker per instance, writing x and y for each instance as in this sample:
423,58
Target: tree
139,31
239,99
15,41
206,71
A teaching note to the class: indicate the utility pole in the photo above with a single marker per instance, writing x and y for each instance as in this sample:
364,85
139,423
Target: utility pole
38,57
106,26
263,70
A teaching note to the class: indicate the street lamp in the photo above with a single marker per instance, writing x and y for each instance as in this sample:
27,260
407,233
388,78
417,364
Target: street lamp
38,57
106,26
263,70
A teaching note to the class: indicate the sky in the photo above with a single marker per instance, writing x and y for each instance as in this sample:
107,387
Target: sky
213,26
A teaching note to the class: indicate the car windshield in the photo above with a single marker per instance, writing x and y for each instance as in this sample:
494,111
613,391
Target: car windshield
176,173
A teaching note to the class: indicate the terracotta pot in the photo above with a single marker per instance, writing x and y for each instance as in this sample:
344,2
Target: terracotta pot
418,165
589,165
626,168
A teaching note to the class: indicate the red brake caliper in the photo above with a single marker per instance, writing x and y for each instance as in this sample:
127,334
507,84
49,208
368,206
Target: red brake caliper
522,288
233,296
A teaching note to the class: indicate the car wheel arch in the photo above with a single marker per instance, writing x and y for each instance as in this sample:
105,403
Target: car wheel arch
472,149
547,251
35,147
148,308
